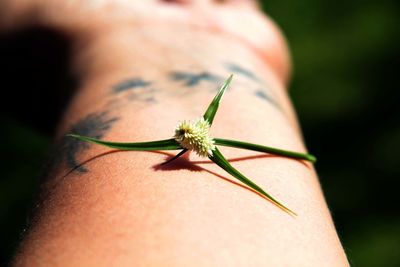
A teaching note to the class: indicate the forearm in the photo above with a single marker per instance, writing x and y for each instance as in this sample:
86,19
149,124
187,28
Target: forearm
121,208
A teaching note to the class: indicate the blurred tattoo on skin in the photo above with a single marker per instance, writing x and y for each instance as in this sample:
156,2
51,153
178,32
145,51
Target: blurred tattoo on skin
136,89
130,84
265,96
193,79
236,69
260,93
67,149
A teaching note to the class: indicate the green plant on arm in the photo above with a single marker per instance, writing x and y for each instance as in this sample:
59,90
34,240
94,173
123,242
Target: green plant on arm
194,136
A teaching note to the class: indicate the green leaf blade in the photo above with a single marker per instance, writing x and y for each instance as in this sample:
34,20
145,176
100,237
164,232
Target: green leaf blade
213,107
168,144
221,161
265,149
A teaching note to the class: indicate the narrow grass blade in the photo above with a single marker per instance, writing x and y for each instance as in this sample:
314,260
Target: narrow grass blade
168,144
266,149
175,157
213,107
221,161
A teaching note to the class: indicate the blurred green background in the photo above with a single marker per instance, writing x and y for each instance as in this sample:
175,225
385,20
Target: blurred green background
344,87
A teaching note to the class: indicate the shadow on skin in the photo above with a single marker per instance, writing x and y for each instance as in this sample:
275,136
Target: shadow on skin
184,163
179,164
257,157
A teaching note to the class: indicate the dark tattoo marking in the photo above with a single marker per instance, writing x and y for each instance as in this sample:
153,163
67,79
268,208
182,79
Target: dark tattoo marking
247,73
145,96
261,94
193,79
130,84
137,88
67,149
240,70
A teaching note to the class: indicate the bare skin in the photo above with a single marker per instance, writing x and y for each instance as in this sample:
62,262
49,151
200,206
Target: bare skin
144,66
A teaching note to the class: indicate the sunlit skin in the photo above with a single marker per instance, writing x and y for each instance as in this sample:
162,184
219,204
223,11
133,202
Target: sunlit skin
121,208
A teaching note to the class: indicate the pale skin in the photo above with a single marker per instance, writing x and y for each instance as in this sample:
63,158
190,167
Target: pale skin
144,66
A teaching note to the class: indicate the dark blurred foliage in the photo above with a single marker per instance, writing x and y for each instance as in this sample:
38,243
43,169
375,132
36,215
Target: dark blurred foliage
345,56
36,86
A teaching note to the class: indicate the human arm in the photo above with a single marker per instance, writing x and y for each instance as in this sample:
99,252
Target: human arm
122,208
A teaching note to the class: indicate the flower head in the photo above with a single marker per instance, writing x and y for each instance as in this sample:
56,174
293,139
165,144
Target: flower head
195,135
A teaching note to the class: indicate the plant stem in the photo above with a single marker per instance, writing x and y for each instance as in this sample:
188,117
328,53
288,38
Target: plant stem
266,149
168,144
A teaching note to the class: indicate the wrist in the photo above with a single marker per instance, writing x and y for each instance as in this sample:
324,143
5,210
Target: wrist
121,50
